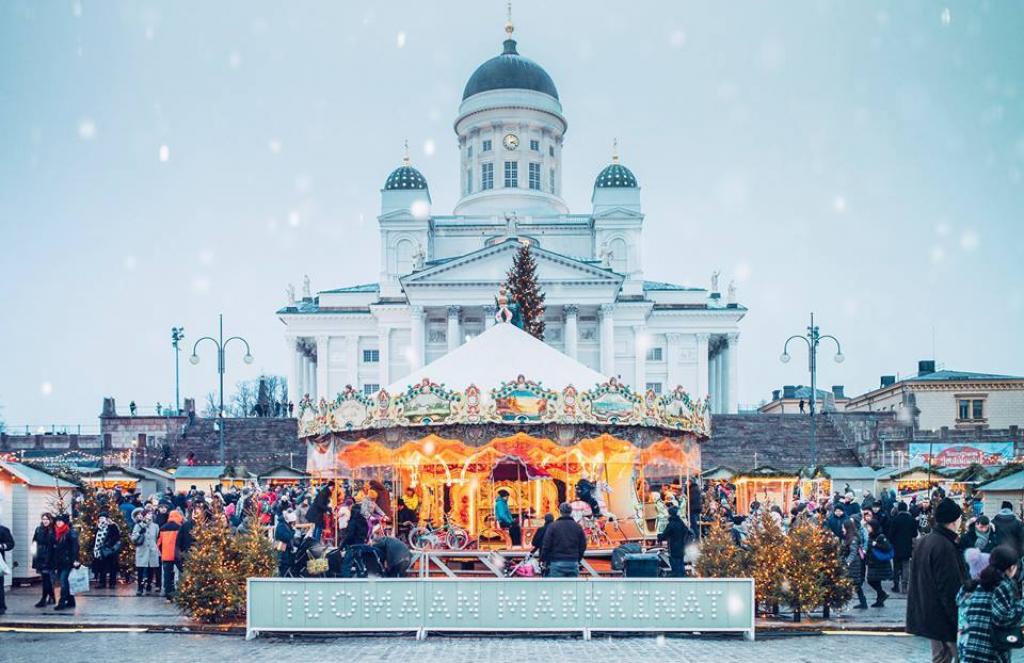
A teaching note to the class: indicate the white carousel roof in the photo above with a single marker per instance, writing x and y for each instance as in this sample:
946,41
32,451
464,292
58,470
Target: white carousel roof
500,354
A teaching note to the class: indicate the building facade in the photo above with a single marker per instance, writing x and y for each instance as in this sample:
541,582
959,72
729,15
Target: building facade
934,399
439,274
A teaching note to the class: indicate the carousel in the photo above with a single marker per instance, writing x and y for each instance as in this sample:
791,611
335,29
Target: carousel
474,449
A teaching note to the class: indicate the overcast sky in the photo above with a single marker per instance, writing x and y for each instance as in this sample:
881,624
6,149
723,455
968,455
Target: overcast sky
163,162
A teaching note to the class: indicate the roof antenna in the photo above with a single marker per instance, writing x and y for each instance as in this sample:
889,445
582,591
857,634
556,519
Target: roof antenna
615,150
405,159
509,28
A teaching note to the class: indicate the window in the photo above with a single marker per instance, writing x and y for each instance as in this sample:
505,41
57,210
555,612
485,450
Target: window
486,146
654,354
965,410
371,388
535,176
469,152
535,145
970,409
654,386
551,150
511,174
486,176
552,182
977,409
371,356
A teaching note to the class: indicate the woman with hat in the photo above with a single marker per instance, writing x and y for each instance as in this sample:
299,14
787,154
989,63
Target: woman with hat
991,603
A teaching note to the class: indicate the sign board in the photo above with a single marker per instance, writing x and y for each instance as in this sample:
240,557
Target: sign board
497,605
961,454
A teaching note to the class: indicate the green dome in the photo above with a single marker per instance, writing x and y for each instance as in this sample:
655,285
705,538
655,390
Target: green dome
405,177
509,71
615,176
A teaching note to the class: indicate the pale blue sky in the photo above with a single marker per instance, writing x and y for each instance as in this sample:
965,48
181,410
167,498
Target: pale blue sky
864,160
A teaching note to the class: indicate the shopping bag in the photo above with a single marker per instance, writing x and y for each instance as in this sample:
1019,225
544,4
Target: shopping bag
78,580
4,568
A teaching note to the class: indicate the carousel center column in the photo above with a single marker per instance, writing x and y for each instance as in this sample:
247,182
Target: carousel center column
454,333
607,315
570,332
416,336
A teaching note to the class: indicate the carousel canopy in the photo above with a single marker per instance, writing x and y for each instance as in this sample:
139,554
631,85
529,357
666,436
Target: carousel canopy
497,356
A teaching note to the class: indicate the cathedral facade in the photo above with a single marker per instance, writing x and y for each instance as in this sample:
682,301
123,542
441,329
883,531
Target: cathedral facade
439,274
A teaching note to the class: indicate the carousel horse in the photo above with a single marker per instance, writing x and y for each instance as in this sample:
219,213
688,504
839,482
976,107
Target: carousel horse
585,493
602,491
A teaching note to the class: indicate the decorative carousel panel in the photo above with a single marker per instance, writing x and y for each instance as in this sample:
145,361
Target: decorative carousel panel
613,403
678,410
524,401
351,410
426,403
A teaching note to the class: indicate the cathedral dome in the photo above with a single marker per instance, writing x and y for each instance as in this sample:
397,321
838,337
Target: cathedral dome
405,177
510,71
615,176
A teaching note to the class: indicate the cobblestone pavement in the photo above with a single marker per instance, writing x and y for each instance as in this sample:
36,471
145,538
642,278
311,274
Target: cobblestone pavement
142,647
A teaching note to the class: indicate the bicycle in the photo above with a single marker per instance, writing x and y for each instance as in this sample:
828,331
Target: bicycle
447,536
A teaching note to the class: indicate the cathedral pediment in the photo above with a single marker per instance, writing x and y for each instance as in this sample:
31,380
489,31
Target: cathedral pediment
490,265
618,213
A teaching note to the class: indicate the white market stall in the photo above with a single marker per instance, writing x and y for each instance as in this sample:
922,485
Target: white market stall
25,494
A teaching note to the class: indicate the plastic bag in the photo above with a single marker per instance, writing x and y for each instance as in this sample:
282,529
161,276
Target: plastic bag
78,580
5,569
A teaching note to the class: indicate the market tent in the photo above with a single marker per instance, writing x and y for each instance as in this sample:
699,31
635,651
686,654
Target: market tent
499,355
1008,488
25,494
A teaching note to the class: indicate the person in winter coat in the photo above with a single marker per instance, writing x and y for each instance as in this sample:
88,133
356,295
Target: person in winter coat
106,551
992,602
677,536
147,554
902,532
835,520
538,537
320,507
6,543
879,559
564,545
65,558
1011,531
936,576
167,542
851,554
284,535
394,554
42,560
981,535
358,531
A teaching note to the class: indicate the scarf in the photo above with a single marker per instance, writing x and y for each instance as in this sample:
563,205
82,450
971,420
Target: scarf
61,530
101,537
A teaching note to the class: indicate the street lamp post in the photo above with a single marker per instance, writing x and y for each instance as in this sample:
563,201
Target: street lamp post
221,344
177,335
812,339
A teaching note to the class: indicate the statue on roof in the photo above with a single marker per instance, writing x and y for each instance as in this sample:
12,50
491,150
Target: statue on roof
291,294
731,297
508,311
606,255
511,224
305,287
714,280
419,257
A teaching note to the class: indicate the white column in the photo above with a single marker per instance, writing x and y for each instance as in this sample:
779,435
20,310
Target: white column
489,312
323,361
416,334
311,378
716,383
303,373
720,369
732,379
640,358
607,315
454,333
384,347
352,360
570,333
701,388
295,379
673,343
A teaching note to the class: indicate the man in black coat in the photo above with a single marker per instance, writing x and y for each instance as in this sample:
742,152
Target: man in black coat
677,536
564,545
936,576
6,543
394,554
902,531
538,537
1011,531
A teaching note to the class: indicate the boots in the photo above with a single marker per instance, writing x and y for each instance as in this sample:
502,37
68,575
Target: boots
863,601
42,602
880,601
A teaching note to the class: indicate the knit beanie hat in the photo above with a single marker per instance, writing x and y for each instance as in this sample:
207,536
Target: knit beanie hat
1006,505
947,512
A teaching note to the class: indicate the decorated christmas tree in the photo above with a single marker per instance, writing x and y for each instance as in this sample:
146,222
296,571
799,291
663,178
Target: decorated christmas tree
87,515
525,291
768,557
803,568
720,557
257,555
838,590
211,587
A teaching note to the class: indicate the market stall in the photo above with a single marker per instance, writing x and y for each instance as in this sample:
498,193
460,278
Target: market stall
1007,486
822,482
470,426
766,485
25,494
119,477
914,481
282,475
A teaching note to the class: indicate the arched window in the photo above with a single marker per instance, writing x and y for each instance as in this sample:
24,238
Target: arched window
620,255
404,251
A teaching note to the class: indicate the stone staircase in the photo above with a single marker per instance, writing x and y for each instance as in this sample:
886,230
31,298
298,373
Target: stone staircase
741,441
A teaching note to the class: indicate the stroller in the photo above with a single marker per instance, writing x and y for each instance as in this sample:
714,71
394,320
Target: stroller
311,559
527,567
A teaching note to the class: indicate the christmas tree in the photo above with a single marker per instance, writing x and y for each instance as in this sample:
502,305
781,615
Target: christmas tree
211,589
803,568
838,590
767,560
257,555
720,557
87,521
525,291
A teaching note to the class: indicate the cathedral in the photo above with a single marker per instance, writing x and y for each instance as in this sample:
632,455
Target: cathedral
439,273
